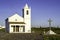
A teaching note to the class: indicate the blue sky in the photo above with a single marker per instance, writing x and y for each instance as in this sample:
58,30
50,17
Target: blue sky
42,10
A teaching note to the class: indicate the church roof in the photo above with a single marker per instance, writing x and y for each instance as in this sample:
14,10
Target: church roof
15,18
15,15
26,6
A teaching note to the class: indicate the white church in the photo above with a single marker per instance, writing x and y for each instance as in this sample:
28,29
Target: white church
18,24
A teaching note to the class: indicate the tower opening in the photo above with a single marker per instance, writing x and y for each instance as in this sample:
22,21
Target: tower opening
27,12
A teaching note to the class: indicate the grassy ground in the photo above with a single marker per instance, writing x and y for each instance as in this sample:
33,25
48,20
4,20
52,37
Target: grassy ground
19,36
51,37
41,30
48,37
37,34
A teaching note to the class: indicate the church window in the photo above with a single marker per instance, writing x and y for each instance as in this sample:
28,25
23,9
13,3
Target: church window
28,30
27,12
15,19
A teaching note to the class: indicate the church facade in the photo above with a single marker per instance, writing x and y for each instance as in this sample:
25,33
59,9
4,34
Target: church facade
18,24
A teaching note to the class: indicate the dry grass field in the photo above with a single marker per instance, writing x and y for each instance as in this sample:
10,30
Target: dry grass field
20,36
37,34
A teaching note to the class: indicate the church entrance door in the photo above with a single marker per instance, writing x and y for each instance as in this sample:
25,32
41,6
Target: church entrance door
17,28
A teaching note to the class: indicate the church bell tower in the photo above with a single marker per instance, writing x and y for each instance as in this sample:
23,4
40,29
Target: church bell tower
27,18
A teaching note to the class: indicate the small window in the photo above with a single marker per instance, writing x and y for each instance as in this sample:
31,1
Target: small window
15,19
27,12
29,31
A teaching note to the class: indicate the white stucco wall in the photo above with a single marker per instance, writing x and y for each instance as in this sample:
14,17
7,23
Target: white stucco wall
11,28
27,19
15,18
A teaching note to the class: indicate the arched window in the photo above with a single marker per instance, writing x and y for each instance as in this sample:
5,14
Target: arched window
27,12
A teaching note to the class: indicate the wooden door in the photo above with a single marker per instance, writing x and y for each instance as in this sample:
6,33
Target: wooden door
17,28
